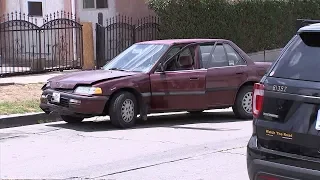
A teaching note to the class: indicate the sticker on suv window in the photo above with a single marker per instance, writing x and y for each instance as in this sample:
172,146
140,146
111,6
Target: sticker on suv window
318,121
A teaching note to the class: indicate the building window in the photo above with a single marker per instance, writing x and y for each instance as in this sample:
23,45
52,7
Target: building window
35,8
88,4
101,4
95,4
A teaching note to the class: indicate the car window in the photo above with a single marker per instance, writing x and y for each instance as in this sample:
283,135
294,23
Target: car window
138,57
183,61
218,58
301,60
172,52
205,51
233,57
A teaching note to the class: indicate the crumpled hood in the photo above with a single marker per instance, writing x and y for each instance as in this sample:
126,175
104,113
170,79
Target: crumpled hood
70,80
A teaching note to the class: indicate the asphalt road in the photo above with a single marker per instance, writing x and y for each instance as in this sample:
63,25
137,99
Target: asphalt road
181,146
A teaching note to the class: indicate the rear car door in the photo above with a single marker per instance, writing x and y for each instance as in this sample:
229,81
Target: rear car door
179,87
287,107
225,73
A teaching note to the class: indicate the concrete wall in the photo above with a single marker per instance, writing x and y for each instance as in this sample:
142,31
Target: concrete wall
265,56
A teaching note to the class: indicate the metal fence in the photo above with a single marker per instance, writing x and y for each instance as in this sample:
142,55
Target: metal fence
35,45
121,32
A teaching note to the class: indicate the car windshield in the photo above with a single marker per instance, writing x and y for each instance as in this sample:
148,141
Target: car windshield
138,58
301,61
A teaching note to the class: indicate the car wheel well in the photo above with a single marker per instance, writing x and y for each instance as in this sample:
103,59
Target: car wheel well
136,94
249,83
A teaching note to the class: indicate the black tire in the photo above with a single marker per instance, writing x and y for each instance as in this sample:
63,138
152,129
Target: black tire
238,107
115,110
71,119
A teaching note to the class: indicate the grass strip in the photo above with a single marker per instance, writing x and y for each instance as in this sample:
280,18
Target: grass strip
19,107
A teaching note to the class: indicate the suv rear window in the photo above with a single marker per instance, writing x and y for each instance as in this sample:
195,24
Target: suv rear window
301,61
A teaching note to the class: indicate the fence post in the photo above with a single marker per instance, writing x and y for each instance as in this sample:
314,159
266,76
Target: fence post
100,46
100,18
88,48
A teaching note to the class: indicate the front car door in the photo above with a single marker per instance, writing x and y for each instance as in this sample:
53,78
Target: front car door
181,86
225,73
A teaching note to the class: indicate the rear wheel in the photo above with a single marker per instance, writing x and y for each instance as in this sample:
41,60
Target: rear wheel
123,110
71,119
242,107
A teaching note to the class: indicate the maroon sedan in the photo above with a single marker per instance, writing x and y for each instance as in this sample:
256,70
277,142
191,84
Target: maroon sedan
158,76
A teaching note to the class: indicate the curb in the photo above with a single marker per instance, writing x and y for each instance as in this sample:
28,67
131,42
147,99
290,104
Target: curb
7,84
26,119
22,84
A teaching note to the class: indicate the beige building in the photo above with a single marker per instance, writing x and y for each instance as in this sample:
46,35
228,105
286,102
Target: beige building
87,10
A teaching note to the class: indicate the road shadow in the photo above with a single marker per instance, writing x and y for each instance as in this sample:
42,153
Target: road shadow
172,121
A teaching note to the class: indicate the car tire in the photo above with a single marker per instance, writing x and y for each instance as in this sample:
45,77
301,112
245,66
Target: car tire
71,119
242,107
123,110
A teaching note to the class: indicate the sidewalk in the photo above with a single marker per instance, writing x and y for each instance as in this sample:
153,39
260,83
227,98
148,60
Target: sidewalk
32,79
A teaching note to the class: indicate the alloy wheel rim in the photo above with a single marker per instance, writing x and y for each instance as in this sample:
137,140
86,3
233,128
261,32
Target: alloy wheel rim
127,110
247,102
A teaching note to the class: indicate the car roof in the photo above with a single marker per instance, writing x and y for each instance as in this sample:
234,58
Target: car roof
180,41
310,28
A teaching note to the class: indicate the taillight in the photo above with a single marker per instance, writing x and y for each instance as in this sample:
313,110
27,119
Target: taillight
267,177
257,100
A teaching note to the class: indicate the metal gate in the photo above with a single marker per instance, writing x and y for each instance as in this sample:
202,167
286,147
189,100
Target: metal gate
120,33
26,47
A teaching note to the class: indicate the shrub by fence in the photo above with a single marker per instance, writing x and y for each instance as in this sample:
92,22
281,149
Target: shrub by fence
254,25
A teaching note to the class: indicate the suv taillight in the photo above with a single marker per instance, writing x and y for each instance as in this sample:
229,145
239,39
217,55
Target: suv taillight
258,93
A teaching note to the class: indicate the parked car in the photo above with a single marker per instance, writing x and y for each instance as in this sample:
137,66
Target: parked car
158,76
285,143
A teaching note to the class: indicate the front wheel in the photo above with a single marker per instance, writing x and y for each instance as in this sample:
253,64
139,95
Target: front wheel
123,110
242,107
71,119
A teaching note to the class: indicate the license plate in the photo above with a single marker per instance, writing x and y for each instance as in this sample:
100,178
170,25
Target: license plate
318,121
55,97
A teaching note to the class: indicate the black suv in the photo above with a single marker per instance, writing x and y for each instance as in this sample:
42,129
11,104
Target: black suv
285,144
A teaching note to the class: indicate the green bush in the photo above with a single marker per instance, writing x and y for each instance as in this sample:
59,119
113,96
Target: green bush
254,25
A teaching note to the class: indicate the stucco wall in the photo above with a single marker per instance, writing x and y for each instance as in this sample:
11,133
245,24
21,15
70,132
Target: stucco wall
2,7
91,15
133,8
48,7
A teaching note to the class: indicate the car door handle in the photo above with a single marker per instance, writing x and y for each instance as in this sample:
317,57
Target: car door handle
194,78
240,73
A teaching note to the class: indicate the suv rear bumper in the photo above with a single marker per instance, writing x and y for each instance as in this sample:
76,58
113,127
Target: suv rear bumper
265,162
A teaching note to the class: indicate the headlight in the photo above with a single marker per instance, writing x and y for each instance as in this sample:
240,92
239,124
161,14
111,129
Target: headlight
88,90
